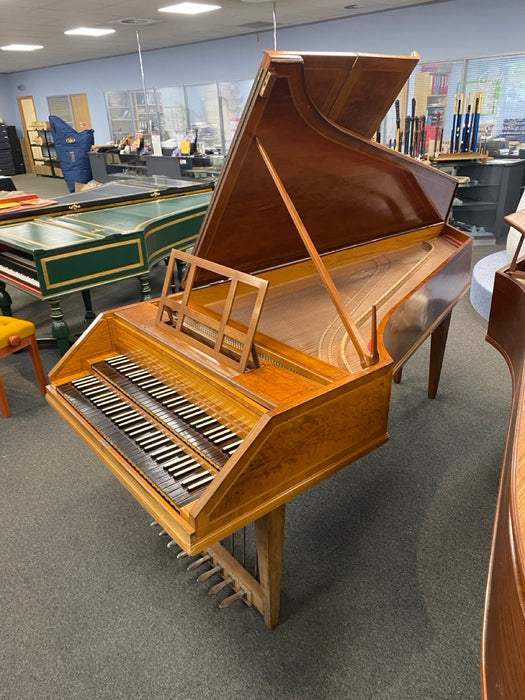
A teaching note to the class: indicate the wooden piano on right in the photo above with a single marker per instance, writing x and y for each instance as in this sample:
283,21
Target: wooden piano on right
503,644
323,262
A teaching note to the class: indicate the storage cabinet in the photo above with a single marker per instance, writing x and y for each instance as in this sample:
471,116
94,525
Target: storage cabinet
106,166
130,111
11,158
487,192
43,151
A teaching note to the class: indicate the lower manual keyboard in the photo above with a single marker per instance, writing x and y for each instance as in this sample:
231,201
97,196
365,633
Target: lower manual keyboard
175,474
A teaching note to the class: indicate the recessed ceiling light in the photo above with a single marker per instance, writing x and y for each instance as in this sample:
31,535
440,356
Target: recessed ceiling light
88,31
189,8
21,47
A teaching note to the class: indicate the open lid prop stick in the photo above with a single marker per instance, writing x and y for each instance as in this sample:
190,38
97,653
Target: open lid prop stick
366,358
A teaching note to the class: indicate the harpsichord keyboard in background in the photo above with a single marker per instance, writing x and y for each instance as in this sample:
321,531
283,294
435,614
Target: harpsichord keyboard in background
49,257
312,282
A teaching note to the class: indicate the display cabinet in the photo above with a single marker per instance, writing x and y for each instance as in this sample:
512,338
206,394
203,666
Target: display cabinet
488,191
130,111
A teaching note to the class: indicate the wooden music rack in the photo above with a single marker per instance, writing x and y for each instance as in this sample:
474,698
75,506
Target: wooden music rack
219,335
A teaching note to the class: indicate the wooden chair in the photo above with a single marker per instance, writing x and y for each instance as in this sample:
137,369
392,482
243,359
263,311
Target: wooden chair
16,334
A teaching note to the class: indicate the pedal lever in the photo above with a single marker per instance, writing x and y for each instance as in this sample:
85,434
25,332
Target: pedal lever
199,562
219,586
231,599
208,574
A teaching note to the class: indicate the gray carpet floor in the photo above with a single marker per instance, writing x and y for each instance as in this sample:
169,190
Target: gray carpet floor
385,563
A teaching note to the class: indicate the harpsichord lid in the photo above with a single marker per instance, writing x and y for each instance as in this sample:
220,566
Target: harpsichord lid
304,139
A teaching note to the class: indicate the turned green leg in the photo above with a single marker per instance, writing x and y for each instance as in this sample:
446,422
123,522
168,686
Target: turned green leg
145,289
59,327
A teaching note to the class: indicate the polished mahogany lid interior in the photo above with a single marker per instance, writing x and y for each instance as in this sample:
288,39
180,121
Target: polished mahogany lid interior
308,121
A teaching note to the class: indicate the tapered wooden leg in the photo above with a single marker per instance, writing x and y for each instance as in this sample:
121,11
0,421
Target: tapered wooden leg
396,377
4,406
37,364
269,534
437,352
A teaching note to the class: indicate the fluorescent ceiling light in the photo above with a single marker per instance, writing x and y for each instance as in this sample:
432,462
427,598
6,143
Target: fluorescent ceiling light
189,8
89,31
21,47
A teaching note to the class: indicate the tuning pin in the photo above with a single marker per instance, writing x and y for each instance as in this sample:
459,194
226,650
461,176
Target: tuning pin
182,555
162,532
208,574
153,523
171,544
219,586
199,562
231,599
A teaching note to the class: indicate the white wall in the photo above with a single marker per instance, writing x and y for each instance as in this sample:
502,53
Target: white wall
452,29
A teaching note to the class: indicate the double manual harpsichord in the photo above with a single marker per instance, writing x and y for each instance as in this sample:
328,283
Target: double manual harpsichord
323,262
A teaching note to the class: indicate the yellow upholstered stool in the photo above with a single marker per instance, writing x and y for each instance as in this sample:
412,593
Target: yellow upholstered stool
16,334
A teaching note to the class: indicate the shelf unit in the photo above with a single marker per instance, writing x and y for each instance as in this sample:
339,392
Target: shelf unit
492,192
130,111
145,111
43,151
118,106
431,94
